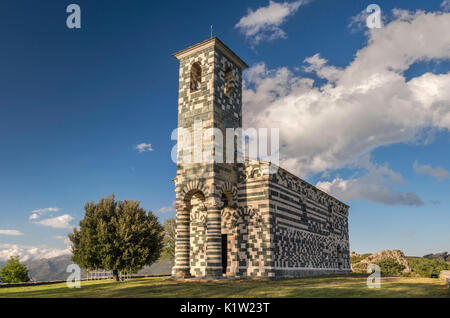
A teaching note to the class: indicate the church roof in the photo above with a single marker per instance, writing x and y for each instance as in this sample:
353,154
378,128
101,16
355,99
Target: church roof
247,159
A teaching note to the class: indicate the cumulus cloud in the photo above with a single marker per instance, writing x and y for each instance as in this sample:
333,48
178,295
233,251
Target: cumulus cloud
359,22
65,239
144,147
11,232
264,23
360,107
438,173
445,5
34,216
363,106
318,65
29,253
166,209
377,184
58,222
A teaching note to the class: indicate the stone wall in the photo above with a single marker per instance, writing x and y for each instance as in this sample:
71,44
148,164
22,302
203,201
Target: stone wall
309,228
276,224
199,230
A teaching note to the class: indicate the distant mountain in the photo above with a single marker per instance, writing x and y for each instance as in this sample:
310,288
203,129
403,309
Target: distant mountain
444,256
48,269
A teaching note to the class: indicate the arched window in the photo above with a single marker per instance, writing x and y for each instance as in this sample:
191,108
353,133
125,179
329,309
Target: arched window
228,87
196,77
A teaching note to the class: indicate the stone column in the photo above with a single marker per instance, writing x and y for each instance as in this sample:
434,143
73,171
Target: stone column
182,241
213,238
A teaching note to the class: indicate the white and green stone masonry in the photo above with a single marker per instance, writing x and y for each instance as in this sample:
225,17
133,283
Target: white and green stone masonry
235,219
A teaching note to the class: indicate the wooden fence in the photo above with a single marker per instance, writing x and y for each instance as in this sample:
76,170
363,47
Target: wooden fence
3,285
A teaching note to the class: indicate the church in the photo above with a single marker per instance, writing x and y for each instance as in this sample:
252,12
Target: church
244,219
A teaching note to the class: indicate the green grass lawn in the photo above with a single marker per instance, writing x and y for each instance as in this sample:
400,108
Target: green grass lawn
324,286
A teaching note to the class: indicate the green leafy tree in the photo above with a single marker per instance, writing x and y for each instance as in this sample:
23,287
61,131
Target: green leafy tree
116,236
390,267
169,239
426,267
14,271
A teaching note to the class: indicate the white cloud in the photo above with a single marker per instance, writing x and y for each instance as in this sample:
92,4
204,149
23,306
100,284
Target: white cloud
264,23
358,22
376,185
438,173
11,232
144,147
65,239
59,222
28,253
318,65
166,209
45,210
361,107
445,5
36,214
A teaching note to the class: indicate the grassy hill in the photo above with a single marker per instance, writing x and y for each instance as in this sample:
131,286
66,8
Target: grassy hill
324,286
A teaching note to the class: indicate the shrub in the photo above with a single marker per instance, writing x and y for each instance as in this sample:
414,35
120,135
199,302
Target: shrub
359,268
426,267
390,267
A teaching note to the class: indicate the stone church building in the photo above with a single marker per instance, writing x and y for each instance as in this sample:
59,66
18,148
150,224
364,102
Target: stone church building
238,219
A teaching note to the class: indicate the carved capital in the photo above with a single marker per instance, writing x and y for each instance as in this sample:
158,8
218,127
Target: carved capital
213,203
199,218
181,206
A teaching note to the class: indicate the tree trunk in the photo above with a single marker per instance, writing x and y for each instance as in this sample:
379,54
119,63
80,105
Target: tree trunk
116,275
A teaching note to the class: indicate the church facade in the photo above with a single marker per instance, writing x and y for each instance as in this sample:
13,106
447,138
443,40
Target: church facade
244,219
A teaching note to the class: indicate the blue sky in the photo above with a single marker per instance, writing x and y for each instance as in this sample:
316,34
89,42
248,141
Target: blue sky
75,104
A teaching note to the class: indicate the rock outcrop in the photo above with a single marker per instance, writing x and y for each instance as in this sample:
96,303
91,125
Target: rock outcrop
375,258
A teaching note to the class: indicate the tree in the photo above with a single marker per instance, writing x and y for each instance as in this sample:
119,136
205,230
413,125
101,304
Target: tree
116,236
14,271
426,267
169,239
390,267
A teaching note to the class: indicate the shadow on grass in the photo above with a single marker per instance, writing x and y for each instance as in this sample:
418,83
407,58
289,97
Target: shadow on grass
321,286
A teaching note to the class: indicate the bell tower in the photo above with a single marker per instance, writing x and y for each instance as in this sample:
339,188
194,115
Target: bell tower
209,102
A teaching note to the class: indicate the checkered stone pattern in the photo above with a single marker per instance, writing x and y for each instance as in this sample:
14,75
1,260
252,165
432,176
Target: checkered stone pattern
197,254
277,225
255,230
230,104
198,248
194,103
248,241
302,249
310,228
